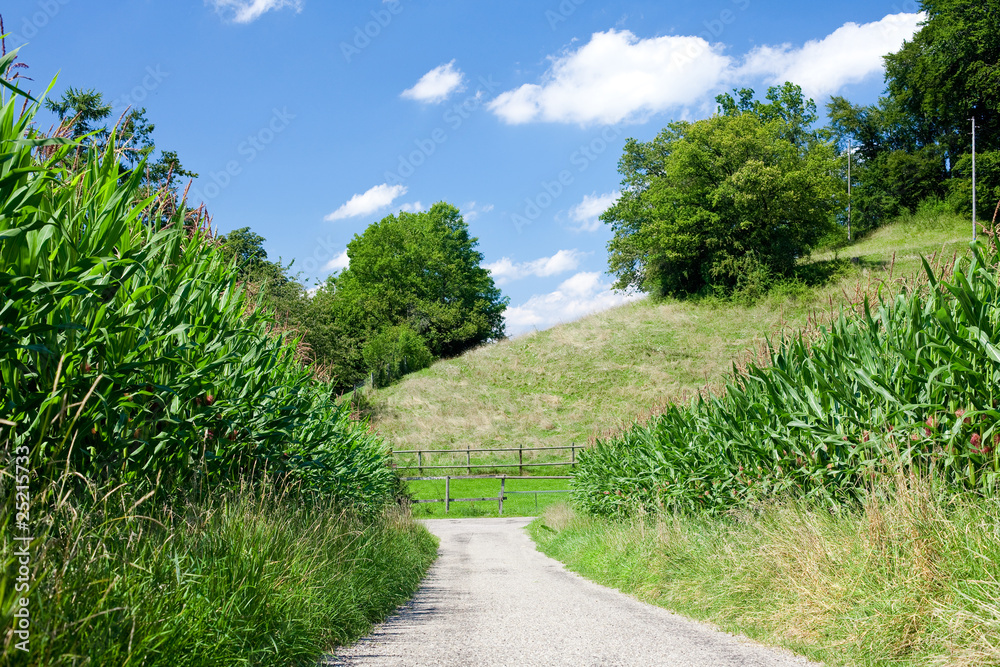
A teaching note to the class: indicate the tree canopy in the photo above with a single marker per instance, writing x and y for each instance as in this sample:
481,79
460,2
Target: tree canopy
724,203
914,146
84,112
422,270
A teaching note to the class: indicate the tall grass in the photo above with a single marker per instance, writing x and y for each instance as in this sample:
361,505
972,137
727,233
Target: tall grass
252,576
911,576
912,378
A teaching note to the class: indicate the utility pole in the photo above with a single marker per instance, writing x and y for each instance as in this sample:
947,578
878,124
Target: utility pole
849,190
973,178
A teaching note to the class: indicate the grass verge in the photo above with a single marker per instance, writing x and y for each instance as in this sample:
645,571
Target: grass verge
251,577
911,578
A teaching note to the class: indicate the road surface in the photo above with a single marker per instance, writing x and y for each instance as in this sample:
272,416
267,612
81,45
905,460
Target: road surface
492,599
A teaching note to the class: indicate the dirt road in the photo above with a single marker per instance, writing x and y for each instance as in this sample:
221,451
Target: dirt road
493,599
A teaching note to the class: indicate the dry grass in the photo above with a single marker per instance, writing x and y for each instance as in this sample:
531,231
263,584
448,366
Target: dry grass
577,381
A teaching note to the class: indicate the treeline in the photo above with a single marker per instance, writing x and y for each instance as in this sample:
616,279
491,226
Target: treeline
730,204
414,291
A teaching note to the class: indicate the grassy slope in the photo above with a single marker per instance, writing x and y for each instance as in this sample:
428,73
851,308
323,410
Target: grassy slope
569,383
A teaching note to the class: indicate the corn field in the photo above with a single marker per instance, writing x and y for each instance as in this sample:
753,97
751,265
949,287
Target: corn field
130,353
909,382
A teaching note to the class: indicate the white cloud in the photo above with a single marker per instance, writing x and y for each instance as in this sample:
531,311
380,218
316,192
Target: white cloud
412,207
617,76
247,11
437,85
504,270
586,213
470,211
850,54
367,203
580,295
341,261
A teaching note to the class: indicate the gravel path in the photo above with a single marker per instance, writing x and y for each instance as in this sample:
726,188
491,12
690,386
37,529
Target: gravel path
492,599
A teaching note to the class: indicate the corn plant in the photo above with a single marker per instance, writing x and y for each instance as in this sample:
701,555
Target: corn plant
911,381
129,350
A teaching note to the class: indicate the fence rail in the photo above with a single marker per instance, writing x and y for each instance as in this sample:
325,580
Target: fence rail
469,465
500,497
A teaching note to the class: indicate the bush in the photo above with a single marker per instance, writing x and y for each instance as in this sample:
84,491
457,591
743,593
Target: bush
395,352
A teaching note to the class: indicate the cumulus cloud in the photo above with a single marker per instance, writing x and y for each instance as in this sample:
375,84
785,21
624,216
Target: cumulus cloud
372,200
619,77
504,270
850,54
586,213
580,295
437,85
247,11
341,261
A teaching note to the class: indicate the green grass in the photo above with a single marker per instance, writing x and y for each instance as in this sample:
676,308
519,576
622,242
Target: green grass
576,381
249,577
516,504
912,578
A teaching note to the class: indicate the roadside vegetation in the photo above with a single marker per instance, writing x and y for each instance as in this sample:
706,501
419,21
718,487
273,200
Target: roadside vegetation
836,493
177,486
910,576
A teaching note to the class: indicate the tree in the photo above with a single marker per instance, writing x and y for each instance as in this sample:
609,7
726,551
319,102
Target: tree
946,75
786,104
950,72
894,169
81,107
721,204
283,294
421,270
84,113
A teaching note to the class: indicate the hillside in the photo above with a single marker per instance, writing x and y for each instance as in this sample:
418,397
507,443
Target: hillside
571,382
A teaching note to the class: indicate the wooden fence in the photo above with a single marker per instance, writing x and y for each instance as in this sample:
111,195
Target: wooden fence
469,465
500,497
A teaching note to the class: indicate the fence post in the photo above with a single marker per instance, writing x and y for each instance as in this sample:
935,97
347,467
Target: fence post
503,478
520,460
468,457
447,493
572,451
420,462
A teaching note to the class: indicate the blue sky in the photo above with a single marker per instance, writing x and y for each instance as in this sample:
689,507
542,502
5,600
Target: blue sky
307,120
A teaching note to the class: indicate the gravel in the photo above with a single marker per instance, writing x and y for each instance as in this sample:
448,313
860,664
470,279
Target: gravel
492,599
